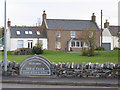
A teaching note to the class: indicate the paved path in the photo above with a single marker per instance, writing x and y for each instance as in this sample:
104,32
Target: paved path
61,81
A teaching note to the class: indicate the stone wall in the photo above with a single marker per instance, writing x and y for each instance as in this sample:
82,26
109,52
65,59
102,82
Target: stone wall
73,70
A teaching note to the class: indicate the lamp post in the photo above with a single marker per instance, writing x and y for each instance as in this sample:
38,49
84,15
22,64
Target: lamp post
5,41
101,28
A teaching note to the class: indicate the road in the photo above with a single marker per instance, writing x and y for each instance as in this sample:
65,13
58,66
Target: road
10,85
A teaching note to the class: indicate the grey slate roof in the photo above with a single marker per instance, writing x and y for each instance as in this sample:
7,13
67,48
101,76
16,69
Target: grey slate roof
67,24
114,30
22,30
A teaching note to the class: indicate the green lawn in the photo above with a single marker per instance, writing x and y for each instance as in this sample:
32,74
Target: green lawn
59,56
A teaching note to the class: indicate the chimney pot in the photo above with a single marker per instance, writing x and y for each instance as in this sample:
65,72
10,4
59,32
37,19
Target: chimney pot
93,17
44,15
106,24
9,23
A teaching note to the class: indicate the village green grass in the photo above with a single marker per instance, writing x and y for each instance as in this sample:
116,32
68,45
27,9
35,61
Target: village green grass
63,57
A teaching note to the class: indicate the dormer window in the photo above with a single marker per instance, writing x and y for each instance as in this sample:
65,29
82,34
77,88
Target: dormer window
26,32
30,32
38,32
18,32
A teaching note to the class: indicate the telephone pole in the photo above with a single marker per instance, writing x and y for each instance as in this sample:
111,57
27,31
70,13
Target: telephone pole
101,28
5,41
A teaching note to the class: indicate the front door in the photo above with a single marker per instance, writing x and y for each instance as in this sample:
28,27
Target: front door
30,43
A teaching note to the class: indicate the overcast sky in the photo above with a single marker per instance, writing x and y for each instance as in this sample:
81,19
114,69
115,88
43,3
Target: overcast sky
27,12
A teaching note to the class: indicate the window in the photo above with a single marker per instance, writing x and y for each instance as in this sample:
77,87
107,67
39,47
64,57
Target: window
18,32
30,32
77,44
26,32
38,32
73,44
58,45
20,43
40,41
90,34
73,34
82,43
30,43
58,34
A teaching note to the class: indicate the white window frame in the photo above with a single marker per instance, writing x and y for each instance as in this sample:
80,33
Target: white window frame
58,45
74,43
75,46
18,32
26,32
30,32
72,34
30,42
58,34
38,32
20,43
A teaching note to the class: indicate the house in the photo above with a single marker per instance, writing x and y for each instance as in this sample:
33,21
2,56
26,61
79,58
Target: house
63,34
54,34
110,36
24,37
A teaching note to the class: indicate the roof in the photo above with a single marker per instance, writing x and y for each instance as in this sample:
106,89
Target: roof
114,30
22,30
67,24
73,39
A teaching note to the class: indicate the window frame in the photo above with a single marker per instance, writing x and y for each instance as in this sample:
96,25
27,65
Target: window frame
38,33
18,32
31,43
58,47
58,34
26,32
72,34
30,32
20,44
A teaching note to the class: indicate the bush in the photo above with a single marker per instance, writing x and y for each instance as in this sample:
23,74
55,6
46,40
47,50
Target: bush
23,51
100,48
88,53
37,49
116,48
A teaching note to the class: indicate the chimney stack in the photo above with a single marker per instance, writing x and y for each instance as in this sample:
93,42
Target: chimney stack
44,15
106,24
93,17
9,23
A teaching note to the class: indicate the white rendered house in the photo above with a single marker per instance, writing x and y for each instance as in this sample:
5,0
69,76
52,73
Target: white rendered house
110,37
25,37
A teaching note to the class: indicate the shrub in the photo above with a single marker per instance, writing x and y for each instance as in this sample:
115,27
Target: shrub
37,49
85,53
88,53
116,48
23,51
100,48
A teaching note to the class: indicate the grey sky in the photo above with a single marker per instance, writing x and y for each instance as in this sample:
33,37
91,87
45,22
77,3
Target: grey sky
26,12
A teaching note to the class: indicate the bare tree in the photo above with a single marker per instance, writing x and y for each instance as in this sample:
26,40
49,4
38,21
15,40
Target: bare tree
88,38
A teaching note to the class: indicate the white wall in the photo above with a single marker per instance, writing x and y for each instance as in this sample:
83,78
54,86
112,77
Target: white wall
115,41
108,38
8,39
14,42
